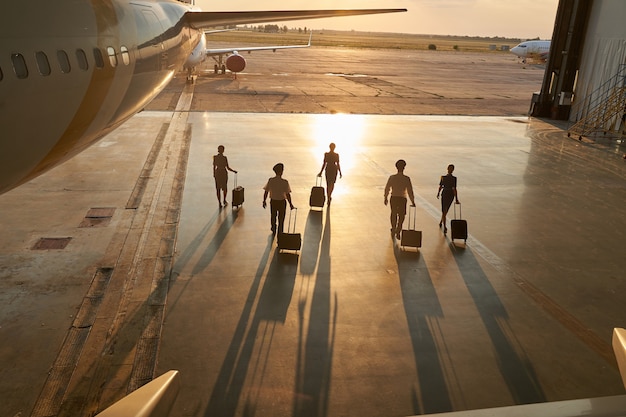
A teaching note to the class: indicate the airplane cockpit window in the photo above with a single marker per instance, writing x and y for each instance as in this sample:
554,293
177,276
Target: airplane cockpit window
42,63
64,61
19,65
125,55
112,56
97,56
81,57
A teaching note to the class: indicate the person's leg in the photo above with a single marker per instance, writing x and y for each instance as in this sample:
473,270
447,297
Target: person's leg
225,193
273,214
330,184
446,202
221,182
396,210
401,216
282,209
217,191
442,220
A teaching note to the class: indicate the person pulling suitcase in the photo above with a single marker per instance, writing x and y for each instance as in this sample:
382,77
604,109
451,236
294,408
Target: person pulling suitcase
400,186
447,189
220,173
332,167
280,193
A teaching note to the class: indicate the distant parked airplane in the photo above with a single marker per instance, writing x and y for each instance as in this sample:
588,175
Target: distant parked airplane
532,49
235,62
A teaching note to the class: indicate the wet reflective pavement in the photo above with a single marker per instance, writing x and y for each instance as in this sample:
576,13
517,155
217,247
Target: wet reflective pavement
352,324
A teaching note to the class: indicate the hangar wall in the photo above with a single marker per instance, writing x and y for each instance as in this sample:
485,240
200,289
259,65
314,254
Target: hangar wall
604,48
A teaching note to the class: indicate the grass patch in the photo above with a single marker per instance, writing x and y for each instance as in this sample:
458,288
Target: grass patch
375,40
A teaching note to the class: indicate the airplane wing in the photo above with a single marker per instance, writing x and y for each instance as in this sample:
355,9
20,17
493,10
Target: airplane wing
213,52
204,20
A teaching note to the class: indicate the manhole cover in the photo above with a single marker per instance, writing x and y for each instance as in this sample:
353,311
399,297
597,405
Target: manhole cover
51,243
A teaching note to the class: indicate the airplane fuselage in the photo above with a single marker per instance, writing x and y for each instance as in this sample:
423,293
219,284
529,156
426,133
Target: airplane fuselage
78,70
71,71
532,49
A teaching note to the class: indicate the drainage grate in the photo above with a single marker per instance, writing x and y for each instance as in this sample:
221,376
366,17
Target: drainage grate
51,243
98,216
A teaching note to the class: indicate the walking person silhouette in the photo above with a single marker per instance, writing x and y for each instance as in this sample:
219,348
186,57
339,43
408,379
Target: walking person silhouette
280,193
447,188
220,172
400,186
331,164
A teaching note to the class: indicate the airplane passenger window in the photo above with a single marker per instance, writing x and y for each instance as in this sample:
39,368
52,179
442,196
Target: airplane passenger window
97,56
19,66
112,56
64,61
81,57
42,63
125,55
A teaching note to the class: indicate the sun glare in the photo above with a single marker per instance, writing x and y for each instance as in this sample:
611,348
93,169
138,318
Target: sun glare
344,130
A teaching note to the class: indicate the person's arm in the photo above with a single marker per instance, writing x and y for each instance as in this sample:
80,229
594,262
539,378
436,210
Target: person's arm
288,196
387,188
322,168
228,166
267,191
339,168
214,165
410,192
456,196
440,186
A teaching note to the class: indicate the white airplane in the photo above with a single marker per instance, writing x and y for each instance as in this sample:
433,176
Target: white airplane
532,49
71,71
235,62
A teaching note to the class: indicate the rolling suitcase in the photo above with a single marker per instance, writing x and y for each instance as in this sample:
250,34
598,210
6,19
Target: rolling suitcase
238,196
458,226
410,236
290,240
318,195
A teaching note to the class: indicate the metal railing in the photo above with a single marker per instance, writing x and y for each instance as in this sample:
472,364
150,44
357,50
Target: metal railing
602,110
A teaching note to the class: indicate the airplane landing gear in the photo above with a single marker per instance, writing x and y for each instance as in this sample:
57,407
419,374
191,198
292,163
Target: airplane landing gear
219,69
191,75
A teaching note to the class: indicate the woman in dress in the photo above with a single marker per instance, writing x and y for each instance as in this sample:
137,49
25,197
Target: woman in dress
331,164
447,189
220,172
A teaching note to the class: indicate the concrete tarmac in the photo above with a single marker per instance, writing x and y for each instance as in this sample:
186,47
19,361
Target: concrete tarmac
155,276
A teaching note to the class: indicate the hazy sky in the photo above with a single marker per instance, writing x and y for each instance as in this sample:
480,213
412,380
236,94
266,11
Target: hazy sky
523,19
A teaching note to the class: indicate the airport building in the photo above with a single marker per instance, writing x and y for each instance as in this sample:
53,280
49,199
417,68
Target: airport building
585,76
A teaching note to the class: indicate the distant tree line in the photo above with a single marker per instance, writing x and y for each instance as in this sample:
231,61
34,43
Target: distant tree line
270,28
284,29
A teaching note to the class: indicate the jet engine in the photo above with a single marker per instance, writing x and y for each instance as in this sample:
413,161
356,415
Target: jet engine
235,62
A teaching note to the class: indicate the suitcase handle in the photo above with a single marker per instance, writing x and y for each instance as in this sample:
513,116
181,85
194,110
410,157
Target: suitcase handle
460,212
295,217
320,181
414,214
235,181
